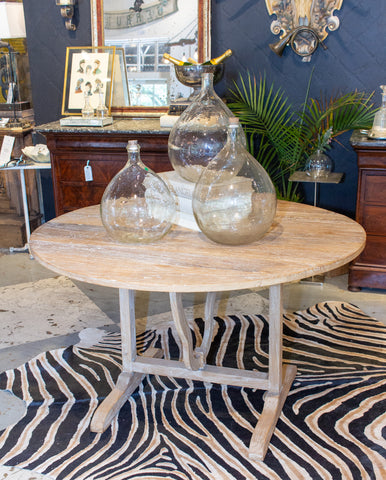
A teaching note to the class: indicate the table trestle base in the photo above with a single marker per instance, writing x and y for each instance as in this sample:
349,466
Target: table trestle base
277,382
266,425
126,384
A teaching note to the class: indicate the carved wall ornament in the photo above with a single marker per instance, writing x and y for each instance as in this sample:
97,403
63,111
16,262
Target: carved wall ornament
302,24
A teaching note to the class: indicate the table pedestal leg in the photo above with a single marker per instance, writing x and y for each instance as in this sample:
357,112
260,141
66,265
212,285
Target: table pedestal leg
128,380
278,387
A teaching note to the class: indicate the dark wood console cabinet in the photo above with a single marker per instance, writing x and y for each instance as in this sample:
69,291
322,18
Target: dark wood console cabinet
104,149
369,269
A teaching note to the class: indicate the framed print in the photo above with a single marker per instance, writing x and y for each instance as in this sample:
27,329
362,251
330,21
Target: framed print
121,97
89,72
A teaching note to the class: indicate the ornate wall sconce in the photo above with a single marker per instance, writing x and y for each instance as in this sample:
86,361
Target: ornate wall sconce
67,12
302,24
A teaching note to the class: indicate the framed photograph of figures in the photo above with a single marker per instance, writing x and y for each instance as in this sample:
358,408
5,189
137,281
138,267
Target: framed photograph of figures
88,73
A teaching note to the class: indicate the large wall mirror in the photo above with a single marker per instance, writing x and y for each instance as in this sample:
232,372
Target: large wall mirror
145,30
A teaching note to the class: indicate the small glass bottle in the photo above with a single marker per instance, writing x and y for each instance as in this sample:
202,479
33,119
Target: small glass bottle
199,133
87,110
379,125
319,165
101,110
137,205
234,201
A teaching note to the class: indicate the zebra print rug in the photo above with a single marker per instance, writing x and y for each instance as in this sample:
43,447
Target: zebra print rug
331,427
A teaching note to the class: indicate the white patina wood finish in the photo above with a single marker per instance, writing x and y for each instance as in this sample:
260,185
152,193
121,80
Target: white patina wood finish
303,241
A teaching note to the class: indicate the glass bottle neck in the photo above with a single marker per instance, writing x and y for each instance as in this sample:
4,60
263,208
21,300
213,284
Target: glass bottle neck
233,133
133,157
207,81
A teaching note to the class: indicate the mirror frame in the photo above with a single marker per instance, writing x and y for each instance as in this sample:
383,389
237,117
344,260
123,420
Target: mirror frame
97,31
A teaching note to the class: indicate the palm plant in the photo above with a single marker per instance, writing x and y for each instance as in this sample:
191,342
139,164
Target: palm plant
281,139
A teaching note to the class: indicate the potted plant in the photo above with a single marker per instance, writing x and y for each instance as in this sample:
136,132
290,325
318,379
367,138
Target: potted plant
282,139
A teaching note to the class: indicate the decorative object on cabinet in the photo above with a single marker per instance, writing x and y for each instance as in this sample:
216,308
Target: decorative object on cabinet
12,26
67,12
378,130
302,24
369,269
104,150
282,139
182,30
88,71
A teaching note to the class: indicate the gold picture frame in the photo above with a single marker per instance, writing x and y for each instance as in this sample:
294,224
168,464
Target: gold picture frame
88,71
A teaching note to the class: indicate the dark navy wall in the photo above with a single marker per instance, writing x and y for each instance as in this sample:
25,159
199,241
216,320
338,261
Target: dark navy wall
47,39
355,59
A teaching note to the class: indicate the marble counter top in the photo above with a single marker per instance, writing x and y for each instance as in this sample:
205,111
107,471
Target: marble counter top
126,125
359,139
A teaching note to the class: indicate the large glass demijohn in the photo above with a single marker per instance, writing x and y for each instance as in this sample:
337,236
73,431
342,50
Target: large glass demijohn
200,132
234,201
137,205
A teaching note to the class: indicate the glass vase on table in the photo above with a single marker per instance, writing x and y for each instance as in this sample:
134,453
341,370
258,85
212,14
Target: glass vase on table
200,132
137,205
234,200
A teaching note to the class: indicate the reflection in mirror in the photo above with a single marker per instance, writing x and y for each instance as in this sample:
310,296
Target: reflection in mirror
146,29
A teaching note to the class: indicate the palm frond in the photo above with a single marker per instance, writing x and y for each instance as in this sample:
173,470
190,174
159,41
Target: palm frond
280,139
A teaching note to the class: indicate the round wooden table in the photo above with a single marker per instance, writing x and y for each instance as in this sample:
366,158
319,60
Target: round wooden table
303,241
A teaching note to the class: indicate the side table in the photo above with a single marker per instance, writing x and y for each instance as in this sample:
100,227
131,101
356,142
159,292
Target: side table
300,176
21,167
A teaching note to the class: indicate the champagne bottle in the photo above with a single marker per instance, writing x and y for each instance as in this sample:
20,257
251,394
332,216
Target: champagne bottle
217,60
192,61
174,60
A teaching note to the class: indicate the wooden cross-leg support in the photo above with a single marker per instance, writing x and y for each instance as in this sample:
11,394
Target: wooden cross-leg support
128,380
277,382
194,359
278,387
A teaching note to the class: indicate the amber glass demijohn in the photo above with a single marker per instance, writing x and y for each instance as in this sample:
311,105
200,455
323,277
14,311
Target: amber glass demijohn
137,205
234,201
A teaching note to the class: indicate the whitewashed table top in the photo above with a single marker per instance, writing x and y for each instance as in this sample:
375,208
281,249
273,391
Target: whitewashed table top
303,241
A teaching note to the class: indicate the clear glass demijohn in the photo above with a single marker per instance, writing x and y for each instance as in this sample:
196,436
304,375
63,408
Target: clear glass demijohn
200,132
137,205
234,201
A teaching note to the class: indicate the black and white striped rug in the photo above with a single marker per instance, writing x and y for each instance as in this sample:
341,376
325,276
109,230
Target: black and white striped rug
332,426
